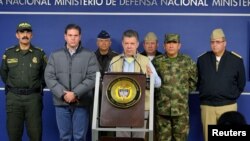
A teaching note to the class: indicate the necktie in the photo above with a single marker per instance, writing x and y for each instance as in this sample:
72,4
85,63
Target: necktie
217,65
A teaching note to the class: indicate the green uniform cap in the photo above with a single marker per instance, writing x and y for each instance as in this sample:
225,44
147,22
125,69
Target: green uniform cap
172,38
24,26
217,33
150,37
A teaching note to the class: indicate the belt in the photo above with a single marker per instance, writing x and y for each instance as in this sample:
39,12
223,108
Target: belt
23,91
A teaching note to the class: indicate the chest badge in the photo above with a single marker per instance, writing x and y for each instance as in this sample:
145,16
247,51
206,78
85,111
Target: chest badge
34,60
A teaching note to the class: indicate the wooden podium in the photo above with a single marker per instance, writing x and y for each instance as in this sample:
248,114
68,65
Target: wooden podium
122,99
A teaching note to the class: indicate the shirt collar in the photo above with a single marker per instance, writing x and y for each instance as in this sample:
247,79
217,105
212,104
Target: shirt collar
19,49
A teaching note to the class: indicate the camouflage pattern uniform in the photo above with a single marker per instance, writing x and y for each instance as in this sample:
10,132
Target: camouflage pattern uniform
179,77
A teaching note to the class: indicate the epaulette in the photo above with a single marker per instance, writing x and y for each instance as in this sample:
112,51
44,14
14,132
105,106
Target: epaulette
236,54
10,48
39,48
202,54
159,56
114,52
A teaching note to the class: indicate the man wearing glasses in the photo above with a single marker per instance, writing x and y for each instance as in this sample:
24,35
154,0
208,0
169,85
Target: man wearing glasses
221,80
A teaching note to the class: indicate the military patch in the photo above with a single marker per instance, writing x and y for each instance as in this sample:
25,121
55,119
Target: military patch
236,54
4,57
12,60
34,60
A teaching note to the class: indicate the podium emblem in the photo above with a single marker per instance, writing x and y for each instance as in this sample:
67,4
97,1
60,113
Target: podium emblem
123,92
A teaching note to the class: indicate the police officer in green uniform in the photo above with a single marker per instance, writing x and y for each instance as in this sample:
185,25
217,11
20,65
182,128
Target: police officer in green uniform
22,71
178,73
104,53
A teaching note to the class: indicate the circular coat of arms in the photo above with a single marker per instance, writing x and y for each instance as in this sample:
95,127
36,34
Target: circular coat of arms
123,92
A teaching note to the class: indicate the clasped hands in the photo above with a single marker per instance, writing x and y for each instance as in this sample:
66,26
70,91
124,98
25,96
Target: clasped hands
69,97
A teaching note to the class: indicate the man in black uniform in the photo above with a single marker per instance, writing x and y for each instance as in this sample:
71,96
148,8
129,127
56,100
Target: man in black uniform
22,71
104,53
221,80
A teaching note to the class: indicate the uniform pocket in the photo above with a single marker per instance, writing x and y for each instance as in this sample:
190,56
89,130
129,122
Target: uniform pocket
35,66
12,65
13,69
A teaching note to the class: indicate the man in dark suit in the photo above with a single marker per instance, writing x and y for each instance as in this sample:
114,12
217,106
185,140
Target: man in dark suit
221,80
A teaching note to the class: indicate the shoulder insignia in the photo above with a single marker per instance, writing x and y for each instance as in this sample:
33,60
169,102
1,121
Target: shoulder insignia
4,57
202,54
236,54
39,48
10,48
114,52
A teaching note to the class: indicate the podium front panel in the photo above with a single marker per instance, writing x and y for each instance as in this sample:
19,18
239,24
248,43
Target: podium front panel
123,100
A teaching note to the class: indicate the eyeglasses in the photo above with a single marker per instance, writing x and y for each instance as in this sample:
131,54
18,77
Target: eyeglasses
216,42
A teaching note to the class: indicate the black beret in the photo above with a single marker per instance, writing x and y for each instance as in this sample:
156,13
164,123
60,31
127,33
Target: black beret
103,35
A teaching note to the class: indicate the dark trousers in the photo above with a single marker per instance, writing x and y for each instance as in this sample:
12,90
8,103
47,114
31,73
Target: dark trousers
24,110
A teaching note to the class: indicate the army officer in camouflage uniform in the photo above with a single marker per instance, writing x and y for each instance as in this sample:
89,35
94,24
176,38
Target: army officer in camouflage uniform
22,72
179,76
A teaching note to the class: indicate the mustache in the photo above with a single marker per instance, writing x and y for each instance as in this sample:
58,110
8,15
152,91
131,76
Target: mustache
25,37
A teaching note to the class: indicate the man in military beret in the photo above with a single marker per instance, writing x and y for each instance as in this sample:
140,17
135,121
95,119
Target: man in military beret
104,52
221,79
150,45
22,71
179,77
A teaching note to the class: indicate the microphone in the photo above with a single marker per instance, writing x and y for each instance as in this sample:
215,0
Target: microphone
147,78
121,57
137,63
